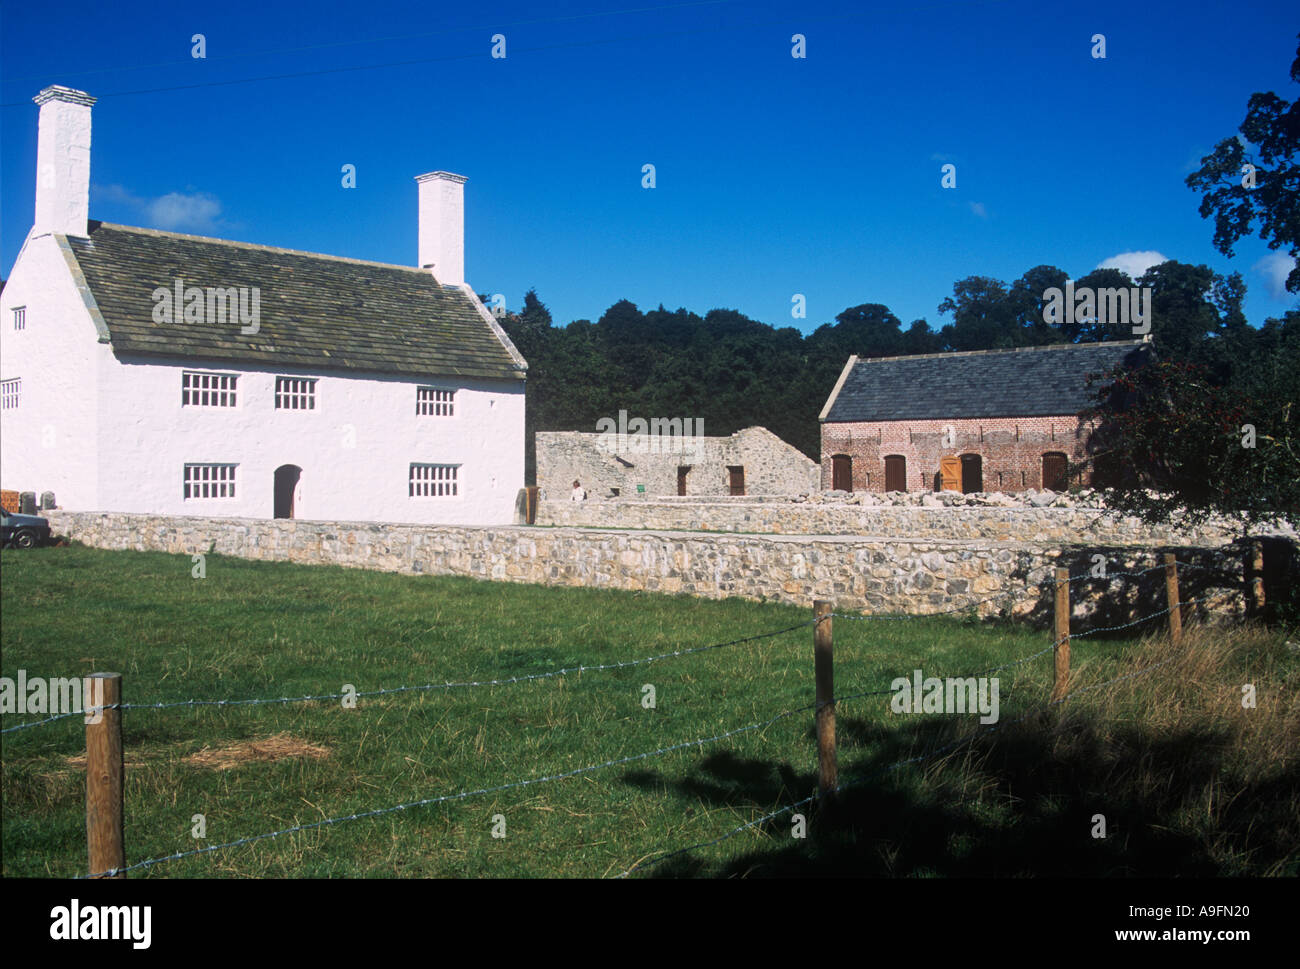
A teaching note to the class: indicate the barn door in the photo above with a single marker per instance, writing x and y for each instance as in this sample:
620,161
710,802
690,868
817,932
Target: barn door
841,472
950,473
895,472
1054,471
972,473
736,479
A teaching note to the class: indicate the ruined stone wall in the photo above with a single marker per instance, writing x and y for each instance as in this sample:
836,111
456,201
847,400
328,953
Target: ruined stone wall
606,465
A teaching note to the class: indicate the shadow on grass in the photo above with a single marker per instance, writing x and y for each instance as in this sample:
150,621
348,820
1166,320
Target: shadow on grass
1018,802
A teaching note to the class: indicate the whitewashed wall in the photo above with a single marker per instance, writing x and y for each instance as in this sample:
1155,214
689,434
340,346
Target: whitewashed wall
51,441
355,448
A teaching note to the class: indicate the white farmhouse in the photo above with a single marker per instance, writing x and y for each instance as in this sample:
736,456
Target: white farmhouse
153,372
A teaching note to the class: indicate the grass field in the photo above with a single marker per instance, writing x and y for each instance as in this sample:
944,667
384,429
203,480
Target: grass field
1189,782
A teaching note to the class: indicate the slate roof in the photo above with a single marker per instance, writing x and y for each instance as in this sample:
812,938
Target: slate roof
1021,382
317,312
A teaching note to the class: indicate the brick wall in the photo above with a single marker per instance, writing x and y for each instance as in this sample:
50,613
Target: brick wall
1011,449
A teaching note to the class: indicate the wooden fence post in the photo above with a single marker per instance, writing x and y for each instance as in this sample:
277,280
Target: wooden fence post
1061,652
824,671
1175,604
104,839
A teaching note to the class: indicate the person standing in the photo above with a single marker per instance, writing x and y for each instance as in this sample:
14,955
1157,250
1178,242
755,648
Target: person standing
578,493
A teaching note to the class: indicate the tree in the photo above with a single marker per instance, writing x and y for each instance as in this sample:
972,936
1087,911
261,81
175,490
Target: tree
1236,196
1183,314
1026,303
1095,329
983,317
869,330
1171,445
1210,429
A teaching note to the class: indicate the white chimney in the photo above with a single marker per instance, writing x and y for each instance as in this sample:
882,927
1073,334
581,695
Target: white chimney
63,161
442,226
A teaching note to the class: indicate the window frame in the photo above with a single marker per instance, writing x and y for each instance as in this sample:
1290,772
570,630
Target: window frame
430,484
433,403
232,391
309,394
215,483
11,391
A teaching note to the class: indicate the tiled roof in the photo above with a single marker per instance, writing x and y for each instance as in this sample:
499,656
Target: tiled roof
1023,382
317,312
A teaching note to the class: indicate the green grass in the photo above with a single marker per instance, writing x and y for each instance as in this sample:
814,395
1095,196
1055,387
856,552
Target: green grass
1010,802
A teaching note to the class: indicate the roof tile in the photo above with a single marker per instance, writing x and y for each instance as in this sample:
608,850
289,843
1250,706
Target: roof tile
316,311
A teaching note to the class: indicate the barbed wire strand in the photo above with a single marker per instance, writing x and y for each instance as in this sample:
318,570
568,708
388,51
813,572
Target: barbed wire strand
427,686
462,795
595,668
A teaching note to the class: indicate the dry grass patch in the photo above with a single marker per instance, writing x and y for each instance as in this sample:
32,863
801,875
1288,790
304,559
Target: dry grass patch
281,746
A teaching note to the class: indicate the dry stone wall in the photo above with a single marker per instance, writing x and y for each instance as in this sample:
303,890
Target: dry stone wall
1027,524
857,573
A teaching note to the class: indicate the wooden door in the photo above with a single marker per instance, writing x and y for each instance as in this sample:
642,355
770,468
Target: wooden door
1054,471
682,472
950,473
895,472
972,473
736,479
841,472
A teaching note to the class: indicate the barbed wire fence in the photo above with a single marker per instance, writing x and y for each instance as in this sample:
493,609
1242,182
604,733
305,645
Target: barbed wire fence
111,712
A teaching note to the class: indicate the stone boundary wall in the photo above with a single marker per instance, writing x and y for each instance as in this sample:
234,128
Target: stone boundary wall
1023,524
856,573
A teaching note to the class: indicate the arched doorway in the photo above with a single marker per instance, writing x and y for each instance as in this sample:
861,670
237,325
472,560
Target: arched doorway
972,473
1055,465
287,477
841,472
895,472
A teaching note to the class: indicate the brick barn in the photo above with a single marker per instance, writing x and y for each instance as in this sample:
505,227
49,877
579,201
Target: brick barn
987,420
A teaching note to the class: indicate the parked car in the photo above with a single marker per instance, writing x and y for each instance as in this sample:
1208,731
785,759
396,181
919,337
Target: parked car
23,531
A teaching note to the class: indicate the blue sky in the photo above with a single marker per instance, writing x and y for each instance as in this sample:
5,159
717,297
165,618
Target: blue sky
774,175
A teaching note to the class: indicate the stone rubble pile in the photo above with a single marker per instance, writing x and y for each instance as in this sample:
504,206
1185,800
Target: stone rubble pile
1087,498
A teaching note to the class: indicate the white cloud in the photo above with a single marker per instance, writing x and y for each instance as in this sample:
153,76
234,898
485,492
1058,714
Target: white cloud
978,209
176,210
193,211
1134,263
1275,267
